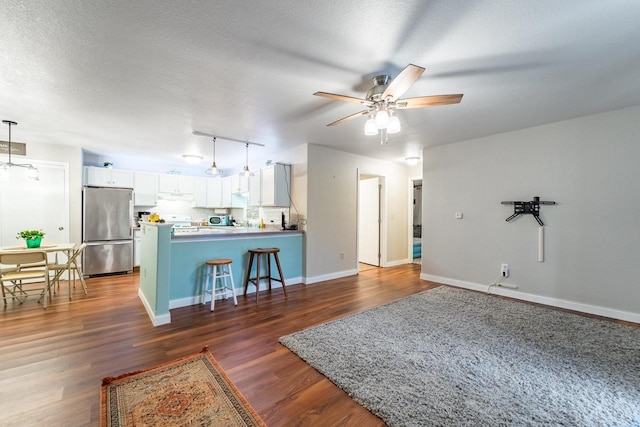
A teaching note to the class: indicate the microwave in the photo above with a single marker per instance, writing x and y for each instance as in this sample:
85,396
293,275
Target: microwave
220,220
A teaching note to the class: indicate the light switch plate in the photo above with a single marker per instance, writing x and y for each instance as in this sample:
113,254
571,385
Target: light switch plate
458,215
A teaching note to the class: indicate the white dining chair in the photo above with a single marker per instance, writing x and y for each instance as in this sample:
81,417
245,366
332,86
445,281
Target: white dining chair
24,266
72,266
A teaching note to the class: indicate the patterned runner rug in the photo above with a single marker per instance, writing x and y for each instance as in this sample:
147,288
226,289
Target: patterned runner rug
193,390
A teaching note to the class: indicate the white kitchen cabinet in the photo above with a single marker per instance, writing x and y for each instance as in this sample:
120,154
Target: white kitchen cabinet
200,193
145,188
176,184
239,183
274,184
214,192
254,189
226,192
106,177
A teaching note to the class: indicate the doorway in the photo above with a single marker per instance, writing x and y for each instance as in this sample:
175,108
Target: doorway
415,220
369,221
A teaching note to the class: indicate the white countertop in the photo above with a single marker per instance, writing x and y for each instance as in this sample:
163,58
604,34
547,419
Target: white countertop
180,233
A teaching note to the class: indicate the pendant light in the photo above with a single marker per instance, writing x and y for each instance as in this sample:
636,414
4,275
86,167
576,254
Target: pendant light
5,167
213,170
247,172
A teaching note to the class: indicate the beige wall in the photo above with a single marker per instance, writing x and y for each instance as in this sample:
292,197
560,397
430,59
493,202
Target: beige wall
332,202
589,166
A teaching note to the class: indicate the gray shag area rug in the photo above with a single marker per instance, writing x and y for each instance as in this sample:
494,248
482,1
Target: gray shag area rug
451,357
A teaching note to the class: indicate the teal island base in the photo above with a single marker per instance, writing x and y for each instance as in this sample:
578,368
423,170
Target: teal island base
172,266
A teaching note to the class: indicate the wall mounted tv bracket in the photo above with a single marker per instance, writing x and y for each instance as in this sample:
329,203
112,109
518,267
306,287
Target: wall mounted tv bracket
532,207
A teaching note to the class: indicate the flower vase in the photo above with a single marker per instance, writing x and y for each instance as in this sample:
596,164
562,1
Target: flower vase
34,243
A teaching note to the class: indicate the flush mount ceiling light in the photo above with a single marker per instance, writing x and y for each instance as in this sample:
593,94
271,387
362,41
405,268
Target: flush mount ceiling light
5,167
245,170
213,170
411,161
193,159
383,99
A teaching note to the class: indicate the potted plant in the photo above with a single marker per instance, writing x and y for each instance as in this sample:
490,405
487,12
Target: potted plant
31,237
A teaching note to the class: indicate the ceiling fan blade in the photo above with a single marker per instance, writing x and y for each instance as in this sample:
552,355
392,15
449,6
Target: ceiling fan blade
428,101
346,119
336,97
402,82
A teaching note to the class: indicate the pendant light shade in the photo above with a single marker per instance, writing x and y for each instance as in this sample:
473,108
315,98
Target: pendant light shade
394,123
213,170
370,127
382,119
5,167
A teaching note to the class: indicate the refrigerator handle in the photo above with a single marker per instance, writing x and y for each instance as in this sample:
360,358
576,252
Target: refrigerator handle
131,214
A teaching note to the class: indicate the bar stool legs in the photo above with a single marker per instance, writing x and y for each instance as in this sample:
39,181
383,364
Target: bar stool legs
220,272
255,253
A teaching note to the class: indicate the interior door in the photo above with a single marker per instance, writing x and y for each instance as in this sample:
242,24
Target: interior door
41,205
369,221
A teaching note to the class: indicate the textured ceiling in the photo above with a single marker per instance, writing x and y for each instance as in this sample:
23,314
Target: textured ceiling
135,78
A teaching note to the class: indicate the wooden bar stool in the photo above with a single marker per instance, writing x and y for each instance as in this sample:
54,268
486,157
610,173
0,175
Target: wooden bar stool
256,280
220,272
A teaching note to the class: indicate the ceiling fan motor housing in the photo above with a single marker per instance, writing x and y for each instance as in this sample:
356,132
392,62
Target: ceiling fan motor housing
380,83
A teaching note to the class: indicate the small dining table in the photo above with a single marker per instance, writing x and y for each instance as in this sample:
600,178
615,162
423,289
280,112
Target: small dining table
66,248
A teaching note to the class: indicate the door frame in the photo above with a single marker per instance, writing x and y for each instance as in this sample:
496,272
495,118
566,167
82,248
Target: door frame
382,215
410,218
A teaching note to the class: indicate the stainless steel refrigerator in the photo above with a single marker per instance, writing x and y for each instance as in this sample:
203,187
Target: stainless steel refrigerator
107,229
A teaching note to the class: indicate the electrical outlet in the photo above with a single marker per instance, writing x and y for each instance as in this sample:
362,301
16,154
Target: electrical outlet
504,270
458,215
341,255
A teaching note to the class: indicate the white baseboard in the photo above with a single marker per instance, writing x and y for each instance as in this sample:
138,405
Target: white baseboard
194,300
155,320
554,302
397,262
331,276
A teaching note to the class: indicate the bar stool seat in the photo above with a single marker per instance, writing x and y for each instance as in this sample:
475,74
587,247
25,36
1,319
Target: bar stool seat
221,280
256,253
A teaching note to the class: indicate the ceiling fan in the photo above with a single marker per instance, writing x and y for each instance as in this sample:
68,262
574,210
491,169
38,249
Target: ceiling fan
383,99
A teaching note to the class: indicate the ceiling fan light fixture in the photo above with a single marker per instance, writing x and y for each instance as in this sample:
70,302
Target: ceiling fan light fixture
394,125
382,119
370,127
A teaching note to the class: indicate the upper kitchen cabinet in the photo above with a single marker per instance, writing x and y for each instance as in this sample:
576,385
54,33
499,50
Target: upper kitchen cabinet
214,192
200,193
176,184
145,189
239,183
274,185
227,186
254,189
106,177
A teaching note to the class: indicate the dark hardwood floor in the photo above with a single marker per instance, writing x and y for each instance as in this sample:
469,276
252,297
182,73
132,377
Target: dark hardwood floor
52,361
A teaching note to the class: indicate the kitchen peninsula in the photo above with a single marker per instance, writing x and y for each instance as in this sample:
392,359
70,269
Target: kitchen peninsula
171,264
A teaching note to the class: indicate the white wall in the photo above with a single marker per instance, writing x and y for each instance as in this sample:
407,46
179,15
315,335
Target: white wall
589,166
332,200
